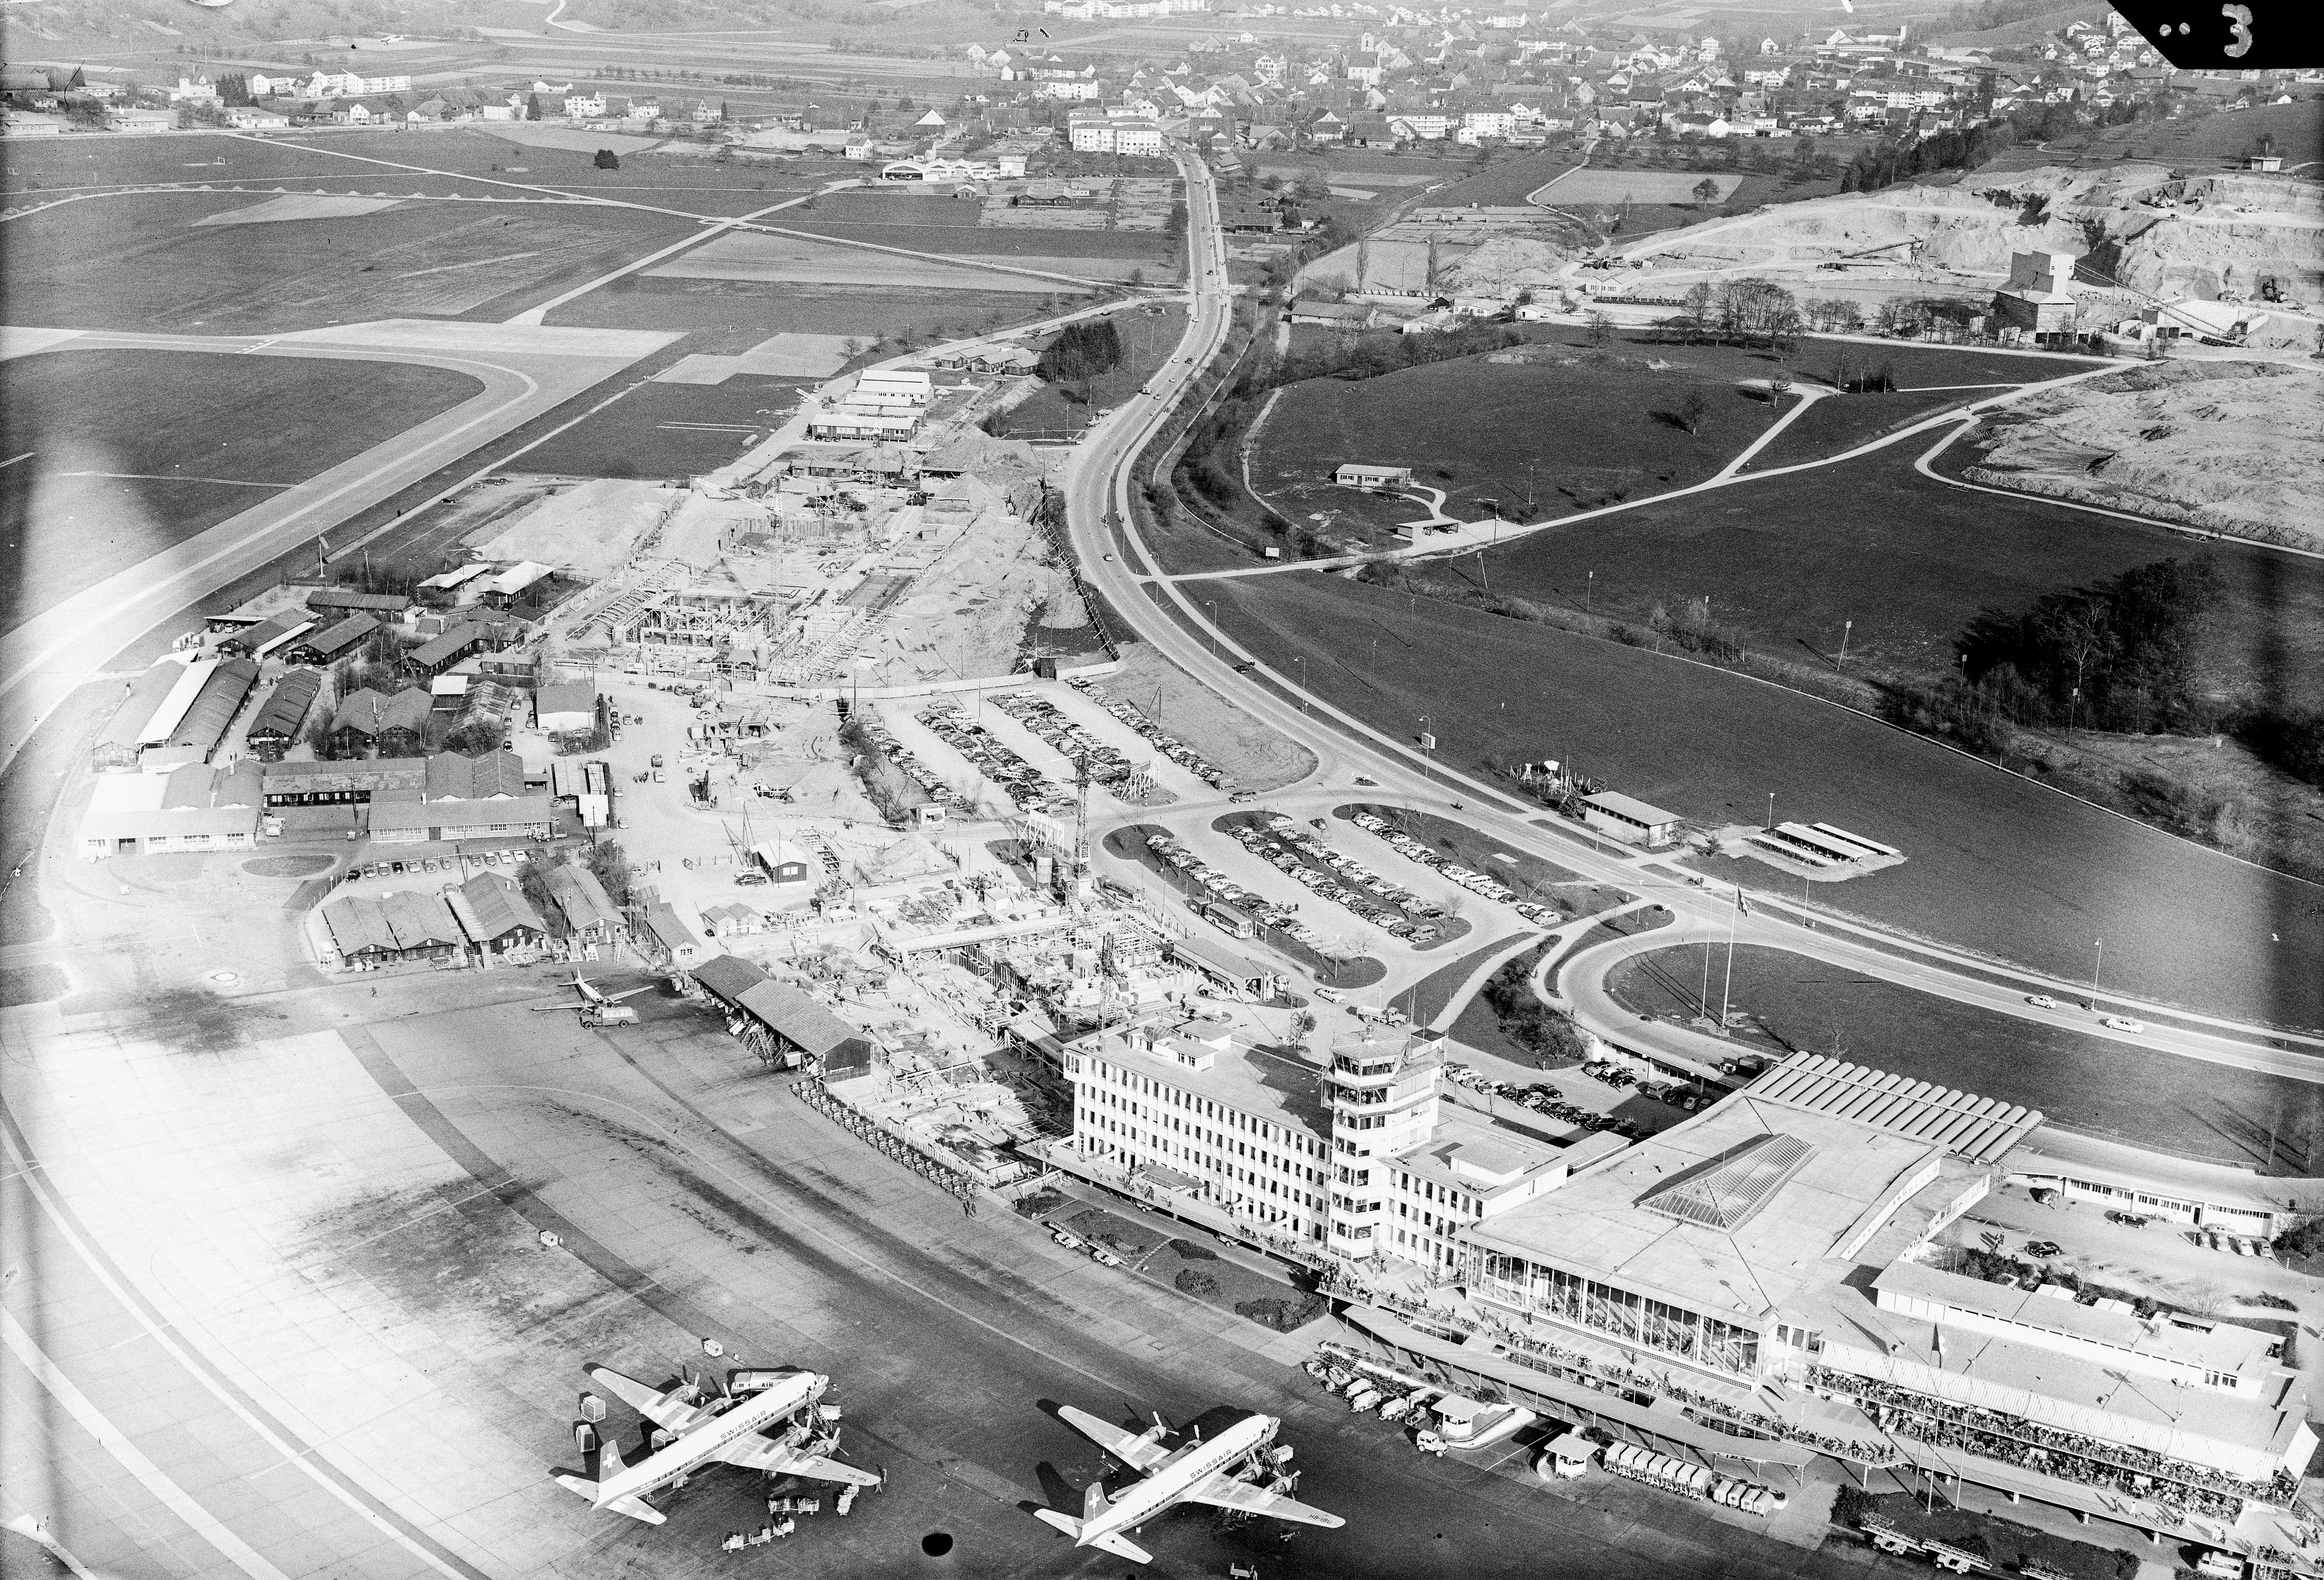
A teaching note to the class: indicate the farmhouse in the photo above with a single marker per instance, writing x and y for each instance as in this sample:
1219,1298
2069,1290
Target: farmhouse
1630,819
1357,475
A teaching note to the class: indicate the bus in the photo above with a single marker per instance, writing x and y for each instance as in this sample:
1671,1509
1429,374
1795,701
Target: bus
1227,919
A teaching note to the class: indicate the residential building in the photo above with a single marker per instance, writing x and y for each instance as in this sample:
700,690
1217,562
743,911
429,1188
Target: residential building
1360,474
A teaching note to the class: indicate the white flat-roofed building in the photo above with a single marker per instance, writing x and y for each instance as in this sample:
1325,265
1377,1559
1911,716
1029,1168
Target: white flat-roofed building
1358,475
1625,818
1773,1264
893,386
192,808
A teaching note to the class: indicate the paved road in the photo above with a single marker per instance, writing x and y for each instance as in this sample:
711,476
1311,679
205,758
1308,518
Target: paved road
1163,612
526,370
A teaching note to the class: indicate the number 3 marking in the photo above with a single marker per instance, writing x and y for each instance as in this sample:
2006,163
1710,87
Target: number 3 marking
2239,18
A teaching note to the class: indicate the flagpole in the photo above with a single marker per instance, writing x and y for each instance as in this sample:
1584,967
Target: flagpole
1729,980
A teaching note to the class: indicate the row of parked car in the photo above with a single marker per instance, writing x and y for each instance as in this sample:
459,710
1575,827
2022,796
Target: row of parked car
1216,884
917,772
1469,878
1282,844
1545,1099
1064,737
1026,785
1169,744
434,863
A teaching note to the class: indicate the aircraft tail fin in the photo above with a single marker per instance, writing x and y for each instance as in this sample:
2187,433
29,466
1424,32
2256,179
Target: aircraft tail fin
1093,1501
1065,1522
609,1459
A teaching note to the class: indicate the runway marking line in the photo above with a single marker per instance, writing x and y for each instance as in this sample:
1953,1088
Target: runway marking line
450,1565
131,1458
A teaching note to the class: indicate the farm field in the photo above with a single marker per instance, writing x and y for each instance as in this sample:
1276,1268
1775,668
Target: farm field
1589,435
2094,1085
146,263
1509,180
1910,561
526,156
1599,185
670,430
1996,864
131,452
784,260
728,317
1016,244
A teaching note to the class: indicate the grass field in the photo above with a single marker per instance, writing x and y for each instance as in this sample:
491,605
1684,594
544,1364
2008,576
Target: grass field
731,316
1670,187
1995,864
134,451
959,235
1509,180
1473,427
670,430
142,263
2085,1083
1839,423
1910,561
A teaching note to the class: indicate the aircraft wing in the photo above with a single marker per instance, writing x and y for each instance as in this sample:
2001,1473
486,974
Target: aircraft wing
628,993
1224,1492
756,1453
666,1410
1140,1454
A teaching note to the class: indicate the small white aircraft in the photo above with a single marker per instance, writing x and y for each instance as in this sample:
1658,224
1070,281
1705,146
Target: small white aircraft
594,1000
1200,1473
707,1434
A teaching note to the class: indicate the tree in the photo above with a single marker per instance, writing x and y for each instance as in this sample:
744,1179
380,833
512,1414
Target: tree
233,89
1706,190
1598,328
532,107
1692,409
607,160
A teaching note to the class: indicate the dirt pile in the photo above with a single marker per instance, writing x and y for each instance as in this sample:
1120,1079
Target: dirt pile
1508,265
2138,225
2228,446
588,529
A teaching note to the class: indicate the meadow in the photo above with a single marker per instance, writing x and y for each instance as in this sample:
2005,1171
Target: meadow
1995,864
144,263
2090,1084
131,452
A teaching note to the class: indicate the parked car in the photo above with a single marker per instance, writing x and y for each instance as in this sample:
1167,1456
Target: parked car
749,880
2043,1248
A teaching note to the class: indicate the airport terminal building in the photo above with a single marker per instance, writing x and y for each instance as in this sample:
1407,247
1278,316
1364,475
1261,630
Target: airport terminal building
1763,1284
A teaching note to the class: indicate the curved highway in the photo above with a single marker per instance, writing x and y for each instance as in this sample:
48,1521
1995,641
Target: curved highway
1157,606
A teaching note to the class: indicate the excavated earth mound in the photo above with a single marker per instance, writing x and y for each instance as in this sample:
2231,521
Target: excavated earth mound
2233,448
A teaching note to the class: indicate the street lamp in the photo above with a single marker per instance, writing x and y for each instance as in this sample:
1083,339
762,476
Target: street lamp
1301,659
1845,627
1771,811
2097,958
1212,605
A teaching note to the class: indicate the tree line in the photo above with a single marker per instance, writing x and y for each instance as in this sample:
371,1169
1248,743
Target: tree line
1081,351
